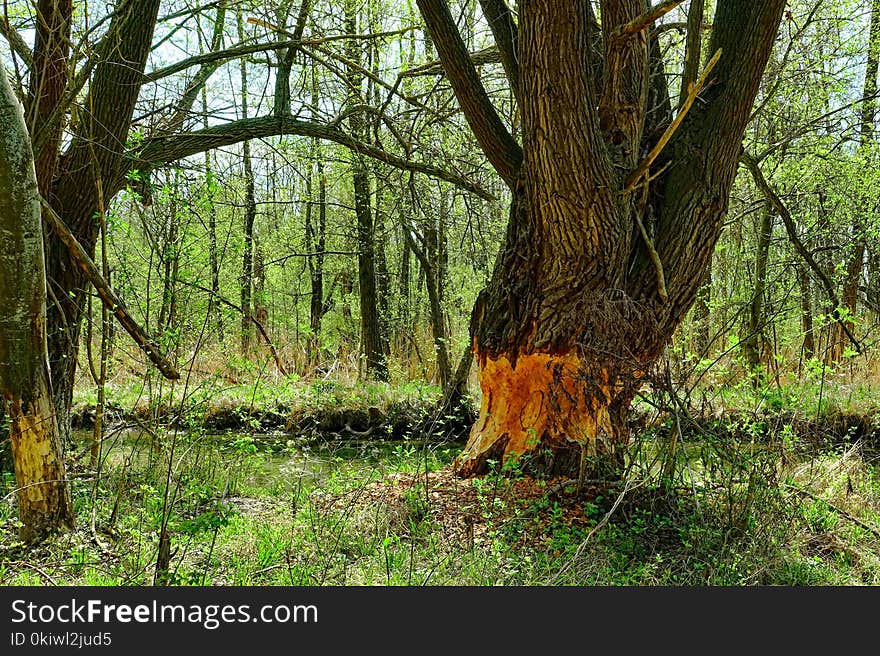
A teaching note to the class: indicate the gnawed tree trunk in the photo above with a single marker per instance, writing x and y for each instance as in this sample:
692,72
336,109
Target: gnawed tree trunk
604,251
42,489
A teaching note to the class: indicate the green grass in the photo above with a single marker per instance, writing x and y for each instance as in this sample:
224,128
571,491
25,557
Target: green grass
242,512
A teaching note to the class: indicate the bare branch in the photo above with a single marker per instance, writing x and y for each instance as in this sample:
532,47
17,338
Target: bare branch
169,148
642,169
489,55
499,146
505,32
758,176
113,303
644,21
18,45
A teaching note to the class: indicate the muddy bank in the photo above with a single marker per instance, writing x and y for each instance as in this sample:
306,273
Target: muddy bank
834,429
407,419
395,421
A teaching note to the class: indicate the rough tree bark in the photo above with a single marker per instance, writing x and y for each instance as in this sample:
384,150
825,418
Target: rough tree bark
42,489
577,309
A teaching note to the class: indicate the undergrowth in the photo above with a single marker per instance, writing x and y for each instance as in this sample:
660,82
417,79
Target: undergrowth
246,511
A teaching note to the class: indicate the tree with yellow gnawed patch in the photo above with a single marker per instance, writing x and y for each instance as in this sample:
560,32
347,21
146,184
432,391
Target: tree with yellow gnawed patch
617,203
42,489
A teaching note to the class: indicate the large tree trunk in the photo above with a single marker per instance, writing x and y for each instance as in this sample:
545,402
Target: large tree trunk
89,169
42,489
602,258
48,83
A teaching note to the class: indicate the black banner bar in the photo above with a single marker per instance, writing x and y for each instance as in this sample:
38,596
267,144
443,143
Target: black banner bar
221,620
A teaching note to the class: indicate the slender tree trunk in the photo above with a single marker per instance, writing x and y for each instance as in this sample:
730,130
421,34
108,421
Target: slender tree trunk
856,263
754,341
403,292
435,309
382,279
375,363
213,260
830,336
170,263
316,238
806,299
316,244
250,216
371,332
874,278
375,98
42,489
261,311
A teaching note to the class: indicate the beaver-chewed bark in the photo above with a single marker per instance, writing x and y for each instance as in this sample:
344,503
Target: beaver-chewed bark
617,204
42,488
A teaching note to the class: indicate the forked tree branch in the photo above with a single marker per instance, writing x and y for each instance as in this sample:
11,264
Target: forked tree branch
497,143
169,148
505,32
642,169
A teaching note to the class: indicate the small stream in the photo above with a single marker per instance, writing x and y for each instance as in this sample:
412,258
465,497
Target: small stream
264,460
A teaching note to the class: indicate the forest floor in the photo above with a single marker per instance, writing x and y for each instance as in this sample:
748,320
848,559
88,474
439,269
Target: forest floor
351,485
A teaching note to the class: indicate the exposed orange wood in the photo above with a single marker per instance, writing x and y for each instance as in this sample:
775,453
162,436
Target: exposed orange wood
546,399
